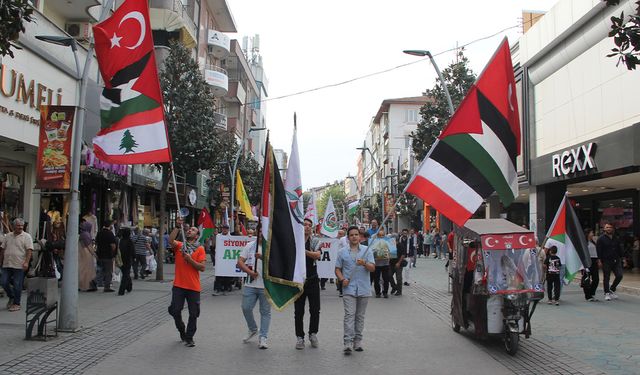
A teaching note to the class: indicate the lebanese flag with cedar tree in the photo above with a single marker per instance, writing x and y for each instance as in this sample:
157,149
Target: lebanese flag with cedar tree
133,129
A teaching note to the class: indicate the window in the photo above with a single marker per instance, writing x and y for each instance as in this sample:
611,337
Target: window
412,115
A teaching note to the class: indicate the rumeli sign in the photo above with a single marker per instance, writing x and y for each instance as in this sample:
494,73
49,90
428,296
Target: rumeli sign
54,152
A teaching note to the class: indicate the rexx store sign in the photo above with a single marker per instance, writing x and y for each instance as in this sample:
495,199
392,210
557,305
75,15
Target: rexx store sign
574,160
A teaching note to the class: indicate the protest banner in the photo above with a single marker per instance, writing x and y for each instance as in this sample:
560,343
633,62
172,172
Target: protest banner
228,249
327,262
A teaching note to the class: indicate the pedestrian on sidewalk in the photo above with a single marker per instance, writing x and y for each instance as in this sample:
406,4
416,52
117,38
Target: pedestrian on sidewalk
609,249
15,254
106,245
428,243
552,267
381,256
396,264
127,254
353,265
190,261
591,277
250,262
437,244
86,259
142,245
311,291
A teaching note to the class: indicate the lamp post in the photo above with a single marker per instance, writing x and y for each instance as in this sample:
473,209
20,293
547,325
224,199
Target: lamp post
69,298
379,173
423,53
233,177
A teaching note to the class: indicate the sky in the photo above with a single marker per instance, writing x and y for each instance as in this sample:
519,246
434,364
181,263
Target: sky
311,44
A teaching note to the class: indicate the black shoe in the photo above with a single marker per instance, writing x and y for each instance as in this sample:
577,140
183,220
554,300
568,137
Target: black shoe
322,288
405,283
109,290
121,293
183,336
398,293
189,343
393,290
92,290
377,296
385,295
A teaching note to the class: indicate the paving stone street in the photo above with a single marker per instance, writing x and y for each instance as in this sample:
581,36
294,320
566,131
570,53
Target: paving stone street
403,335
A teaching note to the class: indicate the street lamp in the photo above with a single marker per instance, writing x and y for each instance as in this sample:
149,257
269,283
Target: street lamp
422,53
363,149
233,177
69,298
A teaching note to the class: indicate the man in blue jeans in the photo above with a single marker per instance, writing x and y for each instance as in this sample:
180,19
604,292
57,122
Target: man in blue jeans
250,262
15,254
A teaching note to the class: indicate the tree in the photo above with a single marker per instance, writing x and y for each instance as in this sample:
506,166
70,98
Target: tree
13,14
435,113
189,115
128,143
626,36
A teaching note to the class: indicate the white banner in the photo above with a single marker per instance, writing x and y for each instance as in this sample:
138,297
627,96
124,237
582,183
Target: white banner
327,262
228,249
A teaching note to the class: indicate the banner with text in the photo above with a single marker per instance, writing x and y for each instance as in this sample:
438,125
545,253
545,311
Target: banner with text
228,249
54,152
327,262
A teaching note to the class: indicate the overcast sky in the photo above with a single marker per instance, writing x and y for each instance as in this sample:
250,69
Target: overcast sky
309,44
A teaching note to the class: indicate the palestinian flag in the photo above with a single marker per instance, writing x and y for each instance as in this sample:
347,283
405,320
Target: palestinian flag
475,155
567,235
133,129
205,224
283,276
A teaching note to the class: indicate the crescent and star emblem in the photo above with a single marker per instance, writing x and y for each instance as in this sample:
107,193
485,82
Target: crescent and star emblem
487,242
524,240
115,40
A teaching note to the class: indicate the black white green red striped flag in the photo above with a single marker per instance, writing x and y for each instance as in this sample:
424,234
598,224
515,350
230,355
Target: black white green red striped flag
133,129
475,155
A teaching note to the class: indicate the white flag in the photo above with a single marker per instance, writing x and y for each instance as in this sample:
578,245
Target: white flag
311,210
293,189
330,222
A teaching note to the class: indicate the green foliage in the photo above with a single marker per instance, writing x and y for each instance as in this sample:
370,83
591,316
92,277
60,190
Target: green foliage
188,110
13,14
337,193
407,203
435,113
626,37
250,171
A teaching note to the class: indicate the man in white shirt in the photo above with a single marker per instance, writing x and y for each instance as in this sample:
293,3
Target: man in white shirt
15,255
250,262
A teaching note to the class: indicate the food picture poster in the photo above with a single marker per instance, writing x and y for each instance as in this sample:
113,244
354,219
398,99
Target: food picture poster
54,151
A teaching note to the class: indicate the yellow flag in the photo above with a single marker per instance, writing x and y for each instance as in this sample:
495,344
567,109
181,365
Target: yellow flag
241,196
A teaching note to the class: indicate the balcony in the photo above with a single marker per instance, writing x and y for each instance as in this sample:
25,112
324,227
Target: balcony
221,120
236,93
173,15
72,10
219,44
217,78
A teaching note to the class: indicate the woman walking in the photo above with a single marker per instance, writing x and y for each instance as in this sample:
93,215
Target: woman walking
86,259
591,277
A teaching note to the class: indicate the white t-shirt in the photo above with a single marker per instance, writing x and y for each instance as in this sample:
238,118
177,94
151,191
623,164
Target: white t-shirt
249,255
15,249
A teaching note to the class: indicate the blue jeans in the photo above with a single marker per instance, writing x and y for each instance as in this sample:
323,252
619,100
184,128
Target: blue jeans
250,297
12,279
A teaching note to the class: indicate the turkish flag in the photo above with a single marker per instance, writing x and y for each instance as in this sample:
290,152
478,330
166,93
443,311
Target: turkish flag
124,39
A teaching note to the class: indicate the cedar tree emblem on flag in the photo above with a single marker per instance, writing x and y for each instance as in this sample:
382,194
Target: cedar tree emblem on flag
133,129
475,155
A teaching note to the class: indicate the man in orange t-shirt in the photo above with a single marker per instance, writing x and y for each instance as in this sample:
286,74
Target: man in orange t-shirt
186,284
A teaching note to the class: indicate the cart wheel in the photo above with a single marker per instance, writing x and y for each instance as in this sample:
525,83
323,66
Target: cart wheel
455,326
511,341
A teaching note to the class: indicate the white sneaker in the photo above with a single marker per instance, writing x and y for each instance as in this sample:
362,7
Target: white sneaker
613,295
607,296
313,338
300,343
249,336
262,343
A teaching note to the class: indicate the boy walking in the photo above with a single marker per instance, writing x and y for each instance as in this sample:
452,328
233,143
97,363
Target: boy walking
353,265
250,262
552,265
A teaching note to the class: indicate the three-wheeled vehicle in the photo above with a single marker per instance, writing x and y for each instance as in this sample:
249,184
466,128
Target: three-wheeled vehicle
496,280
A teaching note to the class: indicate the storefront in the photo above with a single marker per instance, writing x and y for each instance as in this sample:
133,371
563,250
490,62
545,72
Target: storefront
602,178
26,82
147,182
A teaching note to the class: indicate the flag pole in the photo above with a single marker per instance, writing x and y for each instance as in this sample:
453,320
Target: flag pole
175,191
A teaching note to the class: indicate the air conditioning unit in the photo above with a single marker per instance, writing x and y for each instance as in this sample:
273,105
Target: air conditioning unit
79,30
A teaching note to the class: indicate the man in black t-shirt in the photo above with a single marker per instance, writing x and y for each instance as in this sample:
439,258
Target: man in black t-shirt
311,291
106,251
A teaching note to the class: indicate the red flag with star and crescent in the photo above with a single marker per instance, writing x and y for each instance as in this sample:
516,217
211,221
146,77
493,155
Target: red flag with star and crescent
133,129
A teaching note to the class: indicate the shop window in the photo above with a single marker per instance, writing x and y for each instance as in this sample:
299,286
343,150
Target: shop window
11,191
618,212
